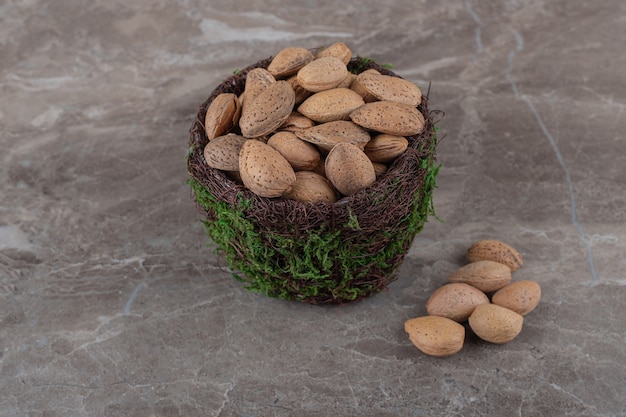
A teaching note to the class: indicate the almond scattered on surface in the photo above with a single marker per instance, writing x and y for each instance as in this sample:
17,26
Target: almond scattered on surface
496,324
455,301
435,336
497,251
487,276
521,296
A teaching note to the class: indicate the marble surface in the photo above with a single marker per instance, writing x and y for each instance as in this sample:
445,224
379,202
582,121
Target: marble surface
111,303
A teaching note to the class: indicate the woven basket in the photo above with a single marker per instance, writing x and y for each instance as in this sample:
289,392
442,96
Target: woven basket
317,253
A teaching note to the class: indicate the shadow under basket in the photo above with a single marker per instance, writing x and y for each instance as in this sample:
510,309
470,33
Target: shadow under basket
317,253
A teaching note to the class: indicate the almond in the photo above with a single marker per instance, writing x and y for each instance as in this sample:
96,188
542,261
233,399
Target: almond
347,82
221,115
322,74
268,110
296,121
264,171
360,90
389,117
455,301
338,50
390,88
288,61
495,324
379,169
349,169
497,251
222,152
327,135
300,154
521,296
301,92
311,187
257,80
487,276
385,148
331,105
435,336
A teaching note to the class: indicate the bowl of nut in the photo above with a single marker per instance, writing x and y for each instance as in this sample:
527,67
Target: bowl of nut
314,170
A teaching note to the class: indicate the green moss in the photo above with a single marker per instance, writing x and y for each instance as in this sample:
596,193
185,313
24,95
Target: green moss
361,65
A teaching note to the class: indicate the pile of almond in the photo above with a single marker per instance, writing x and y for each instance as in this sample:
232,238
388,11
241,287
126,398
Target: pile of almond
481,293
307,129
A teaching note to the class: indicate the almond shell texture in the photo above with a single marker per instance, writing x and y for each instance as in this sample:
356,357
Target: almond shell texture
349,169
497,251
389,117
435,336
520,296
487,276
268,110
495,324
264,171
455,301
222,152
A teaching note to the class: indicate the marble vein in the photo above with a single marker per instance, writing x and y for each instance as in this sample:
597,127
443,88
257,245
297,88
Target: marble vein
133,296
584,238
479,26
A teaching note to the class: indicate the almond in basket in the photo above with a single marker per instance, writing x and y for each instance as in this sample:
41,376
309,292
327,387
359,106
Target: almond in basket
312,187
322,74
223,113
223,152
349,169
338,50
257,80
264,171
326,135
288,61
385,148
389,117
386,87
268,110
301,155
330,105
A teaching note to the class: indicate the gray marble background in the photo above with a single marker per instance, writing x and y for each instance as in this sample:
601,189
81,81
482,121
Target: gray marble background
111,303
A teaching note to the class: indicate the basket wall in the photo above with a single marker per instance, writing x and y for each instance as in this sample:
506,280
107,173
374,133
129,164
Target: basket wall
316,252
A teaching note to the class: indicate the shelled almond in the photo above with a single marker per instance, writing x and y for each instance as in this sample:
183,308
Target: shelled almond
306,106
